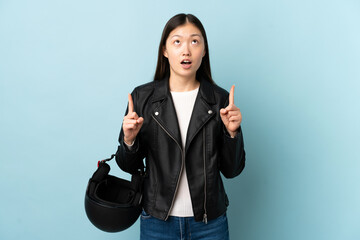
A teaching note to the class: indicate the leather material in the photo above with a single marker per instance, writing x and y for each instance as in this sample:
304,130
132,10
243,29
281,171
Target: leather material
208,151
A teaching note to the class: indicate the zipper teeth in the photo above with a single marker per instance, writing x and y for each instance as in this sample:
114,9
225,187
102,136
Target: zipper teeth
181,169
204,152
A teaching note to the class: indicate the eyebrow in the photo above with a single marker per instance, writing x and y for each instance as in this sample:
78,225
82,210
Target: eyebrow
192,35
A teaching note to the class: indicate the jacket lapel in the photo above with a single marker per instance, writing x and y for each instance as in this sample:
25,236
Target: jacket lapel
202,112
164,111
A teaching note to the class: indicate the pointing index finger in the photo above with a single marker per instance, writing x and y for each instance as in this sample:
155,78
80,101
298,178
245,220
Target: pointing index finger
131,103
231,95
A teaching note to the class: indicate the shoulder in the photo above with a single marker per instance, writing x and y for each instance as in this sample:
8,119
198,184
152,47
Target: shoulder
142,93
213,94
221,95
144,88
221,92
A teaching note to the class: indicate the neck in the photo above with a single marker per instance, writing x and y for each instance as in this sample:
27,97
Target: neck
182,84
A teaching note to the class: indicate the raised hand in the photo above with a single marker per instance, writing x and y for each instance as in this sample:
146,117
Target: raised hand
231,115
132,123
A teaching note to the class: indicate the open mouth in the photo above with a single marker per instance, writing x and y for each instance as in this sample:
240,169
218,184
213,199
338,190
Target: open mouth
185,62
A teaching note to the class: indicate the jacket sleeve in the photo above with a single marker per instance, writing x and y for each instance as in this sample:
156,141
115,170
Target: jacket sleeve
233,154
130,161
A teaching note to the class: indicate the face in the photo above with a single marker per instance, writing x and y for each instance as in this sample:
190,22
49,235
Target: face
185,49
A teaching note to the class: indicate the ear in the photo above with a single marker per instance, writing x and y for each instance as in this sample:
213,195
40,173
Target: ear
165,52
204,53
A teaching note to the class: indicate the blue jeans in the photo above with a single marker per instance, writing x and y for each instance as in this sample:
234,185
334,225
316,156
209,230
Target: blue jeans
182,228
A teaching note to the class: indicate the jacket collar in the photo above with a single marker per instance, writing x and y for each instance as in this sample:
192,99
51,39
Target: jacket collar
162,90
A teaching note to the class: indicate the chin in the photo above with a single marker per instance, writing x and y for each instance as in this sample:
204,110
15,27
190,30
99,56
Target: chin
188,75
184,73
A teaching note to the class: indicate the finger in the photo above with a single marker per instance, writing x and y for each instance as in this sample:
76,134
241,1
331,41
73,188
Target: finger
130,126
140,120
232,108
223,116
233,113
128,121
224,119
131,103
231,95
234,119
132,115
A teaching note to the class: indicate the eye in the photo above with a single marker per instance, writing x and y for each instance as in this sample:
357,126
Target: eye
176,42
194,41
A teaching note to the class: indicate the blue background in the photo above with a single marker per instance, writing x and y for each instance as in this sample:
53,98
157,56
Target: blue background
66,68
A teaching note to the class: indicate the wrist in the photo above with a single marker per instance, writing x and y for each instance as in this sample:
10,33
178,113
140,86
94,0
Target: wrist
128,141
232,134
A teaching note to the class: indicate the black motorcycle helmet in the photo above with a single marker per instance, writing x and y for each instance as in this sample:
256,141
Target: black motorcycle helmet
113,204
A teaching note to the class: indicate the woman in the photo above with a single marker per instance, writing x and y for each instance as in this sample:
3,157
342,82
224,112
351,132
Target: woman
188,130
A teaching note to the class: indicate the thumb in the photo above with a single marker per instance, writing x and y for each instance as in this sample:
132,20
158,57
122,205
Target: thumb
140,120
223,117
223,111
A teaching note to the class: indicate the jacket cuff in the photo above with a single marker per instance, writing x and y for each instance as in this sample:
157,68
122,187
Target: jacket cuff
227,134
133,148
129,146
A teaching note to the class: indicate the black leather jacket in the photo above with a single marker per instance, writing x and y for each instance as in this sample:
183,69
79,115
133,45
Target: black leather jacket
209,149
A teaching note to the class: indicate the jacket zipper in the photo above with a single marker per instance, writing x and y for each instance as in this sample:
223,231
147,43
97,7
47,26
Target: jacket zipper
181,169
204,151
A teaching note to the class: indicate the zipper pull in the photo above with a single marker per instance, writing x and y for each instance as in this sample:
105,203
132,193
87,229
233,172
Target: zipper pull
205,218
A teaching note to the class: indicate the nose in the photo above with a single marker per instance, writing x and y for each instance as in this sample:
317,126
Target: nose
186,50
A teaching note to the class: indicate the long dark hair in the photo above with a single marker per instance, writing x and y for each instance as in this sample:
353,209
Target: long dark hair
163,66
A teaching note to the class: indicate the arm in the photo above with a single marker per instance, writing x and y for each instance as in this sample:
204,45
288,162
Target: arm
232,154
130,159
232,149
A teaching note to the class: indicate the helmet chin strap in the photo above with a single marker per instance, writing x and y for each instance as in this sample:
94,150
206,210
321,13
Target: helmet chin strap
101,172
141,172
107,159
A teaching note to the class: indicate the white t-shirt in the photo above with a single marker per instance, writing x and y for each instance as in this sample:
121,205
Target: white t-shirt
184,105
